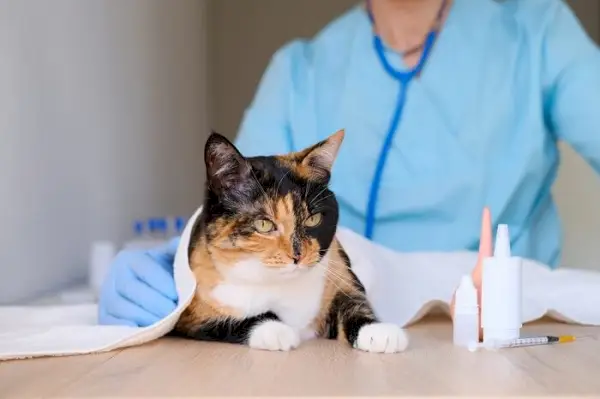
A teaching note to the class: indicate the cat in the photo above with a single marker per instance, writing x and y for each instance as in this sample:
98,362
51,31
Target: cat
270,272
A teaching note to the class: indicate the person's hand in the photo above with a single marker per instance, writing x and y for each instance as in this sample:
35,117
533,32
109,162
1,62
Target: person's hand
139,289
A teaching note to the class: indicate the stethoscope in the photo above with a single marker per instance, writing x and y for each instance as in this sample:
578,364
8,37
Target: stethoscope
404,78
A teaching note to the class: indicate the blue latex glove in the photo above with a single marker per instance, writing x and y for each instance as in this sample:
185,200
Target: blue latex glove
139,289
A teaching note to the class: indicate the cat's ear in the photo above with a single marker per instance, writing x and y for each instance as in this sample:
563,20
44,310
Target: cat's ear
320,157
226,168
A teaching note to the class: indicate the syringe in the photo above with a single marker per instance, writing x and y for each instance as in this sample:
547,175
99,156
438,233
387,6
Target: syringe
527,341
532,341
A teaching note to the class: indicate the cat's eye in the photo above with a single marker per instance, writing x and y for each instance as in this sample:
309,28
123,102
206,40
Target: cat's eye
314,220
264,226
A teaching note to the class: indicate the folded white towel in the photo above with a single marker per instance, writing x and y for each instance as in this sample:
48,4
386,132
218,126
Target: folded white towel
402,287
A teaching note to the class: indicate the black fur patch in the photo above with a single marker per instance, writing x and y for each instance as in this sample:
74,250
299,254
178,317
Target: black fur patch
349,311
235,331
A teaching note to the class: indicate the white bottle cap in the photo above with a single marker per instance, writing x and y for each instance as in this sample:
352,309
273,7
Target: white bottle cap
502,244
466,296
101,255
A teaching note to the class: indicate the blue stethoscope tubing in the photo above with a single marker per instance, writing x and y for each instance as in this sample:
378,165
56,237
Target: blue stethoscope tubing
404,78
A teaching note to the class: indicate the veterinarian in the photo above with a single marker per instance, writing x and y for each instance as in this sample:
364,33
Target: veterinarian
448,105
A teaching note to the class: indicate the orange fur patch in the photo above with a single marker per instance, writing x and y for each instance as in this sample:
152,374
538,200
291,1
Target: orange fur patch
303,163
203,307
274,249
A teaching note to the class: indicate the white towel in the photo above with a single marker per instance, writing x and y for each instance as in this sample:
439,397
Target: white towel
403,288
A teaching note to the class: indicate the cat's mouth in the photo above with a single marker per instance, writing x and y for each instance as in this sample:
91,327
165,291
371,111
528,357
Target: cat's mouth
294,269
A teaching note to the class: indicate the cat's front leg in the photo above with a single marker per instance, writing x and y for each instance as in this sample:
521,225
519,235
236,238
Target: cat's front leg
381,337
264,331
359,326
273,335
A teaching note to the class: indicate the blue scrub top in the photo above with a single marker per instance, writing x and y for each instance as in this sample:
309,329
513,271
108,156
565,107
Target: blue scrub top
506,80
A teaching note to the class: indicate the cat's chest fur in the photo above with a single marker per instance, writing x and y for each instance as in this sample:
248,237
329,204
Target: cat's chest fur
296,301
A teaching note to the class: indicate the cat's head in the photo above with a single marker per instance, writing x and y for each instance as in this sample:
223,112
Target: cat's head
269,217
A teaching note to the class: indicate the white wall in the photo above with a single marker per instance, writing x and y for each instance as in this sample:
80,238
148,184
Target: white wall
577,188
102,105
244,35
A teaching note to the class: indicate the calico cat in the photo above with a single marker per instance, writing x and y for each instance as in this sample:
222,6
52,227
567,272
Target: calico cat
270,272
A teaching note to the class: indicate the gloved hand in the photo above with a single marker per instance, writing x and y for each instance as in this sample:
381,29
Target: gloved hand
139,289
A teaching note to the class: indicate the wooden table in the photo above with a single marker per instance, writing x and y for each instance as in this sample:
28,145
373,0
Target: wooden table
430,366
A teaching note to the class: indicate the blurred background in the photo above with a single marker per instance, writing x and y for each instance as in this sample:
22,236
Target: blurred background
105,106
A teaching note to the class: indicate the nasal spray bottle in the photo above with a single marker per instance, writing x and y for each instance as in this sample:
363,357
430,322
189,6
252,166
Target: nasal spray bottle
501,296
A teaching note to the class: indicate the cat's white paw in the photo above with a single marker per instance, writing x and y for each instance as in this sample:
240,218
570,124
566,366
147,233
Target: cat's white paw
381,338
274,336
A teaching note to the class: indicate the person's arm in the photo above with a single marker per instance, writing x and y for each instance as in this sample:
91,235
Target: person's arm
572,70
265,128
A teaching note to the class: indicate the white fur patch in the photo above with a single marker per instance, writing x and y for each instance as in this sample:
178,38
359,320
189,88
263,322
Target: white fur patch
274,336
381,338
293,293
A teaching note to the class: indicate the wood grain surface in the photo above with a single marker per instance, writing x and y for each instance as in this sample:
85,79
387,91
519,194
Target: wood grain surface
430,366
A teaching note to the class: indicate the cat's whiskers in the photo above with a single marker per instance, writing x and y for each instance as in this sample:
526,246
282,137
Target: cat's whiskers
330,269
281,180
333,281
334,262
340,276
321,200
317,196
306,189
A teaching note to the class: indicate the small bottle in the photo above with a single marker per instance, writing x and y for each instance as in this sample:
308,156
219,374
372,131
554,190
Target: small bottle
146,235
501,292
153,227
101,255
466,314
161,228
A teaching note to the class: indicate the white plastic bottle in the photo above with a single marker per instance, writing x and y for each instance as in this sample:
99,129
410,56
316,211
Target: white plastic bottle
501,296
466,314
101,255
